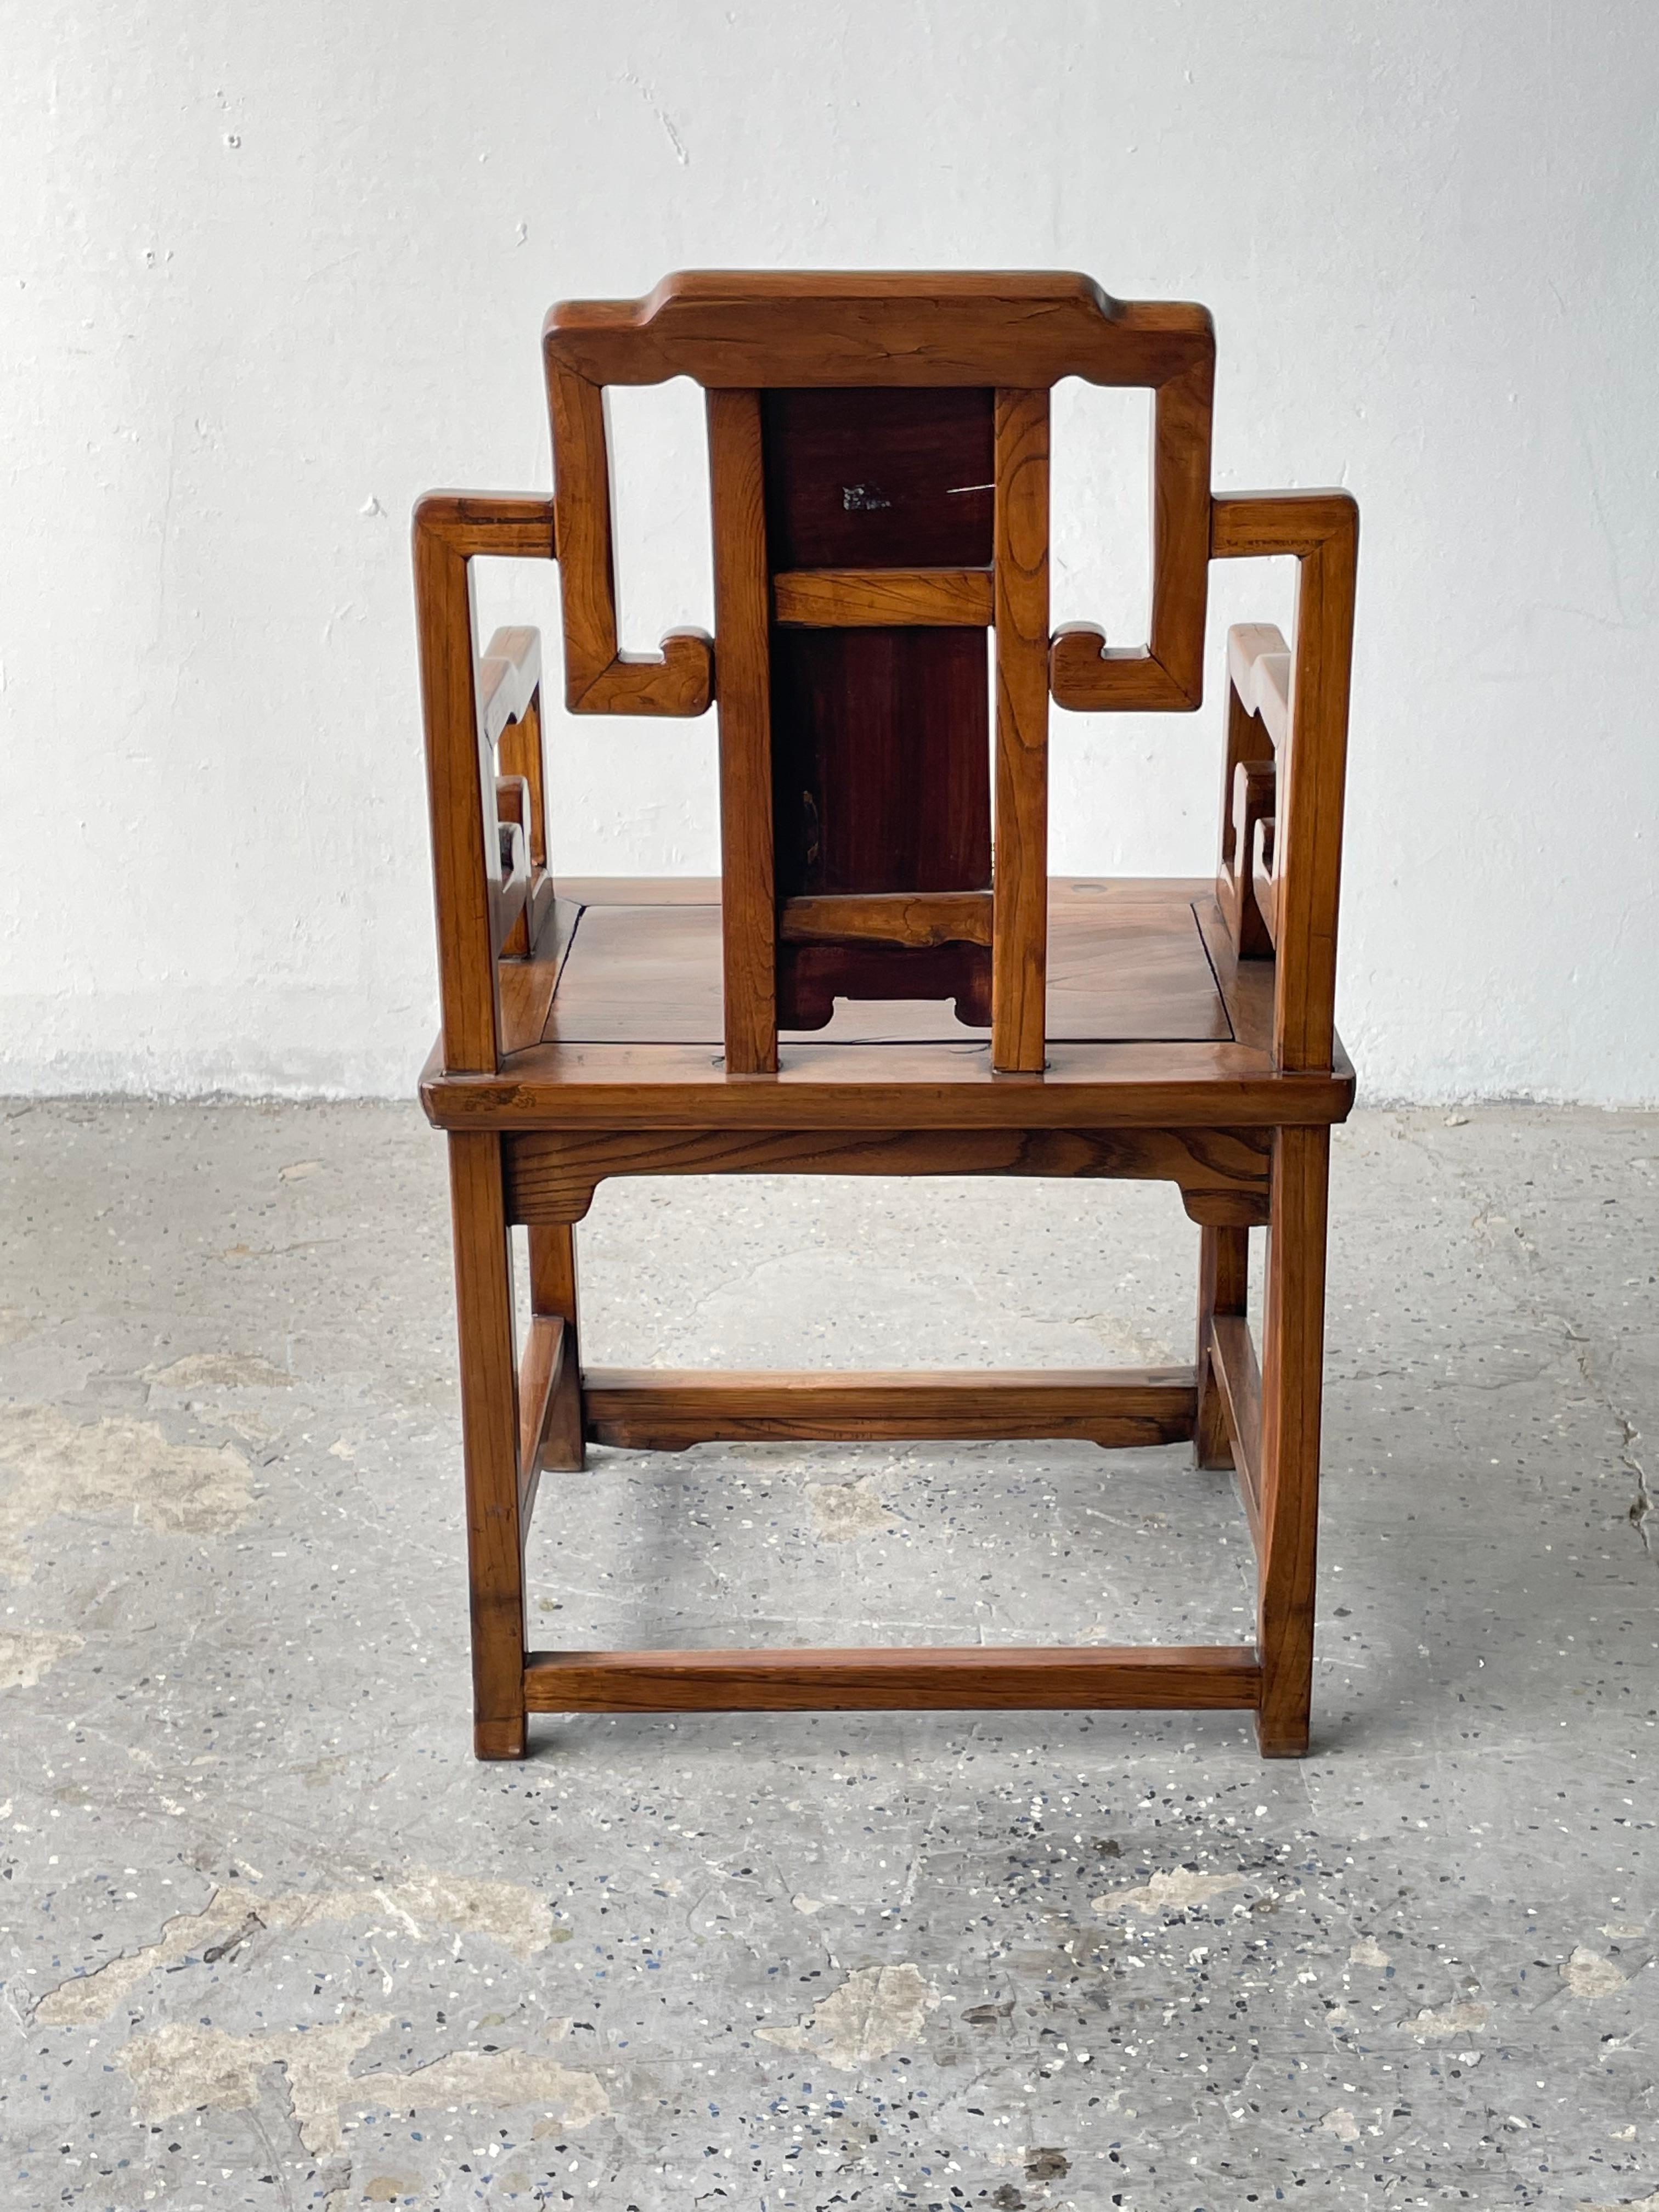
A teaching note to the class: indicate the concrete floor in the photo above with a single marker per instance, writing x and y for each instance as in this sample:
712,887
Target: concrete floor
271,1939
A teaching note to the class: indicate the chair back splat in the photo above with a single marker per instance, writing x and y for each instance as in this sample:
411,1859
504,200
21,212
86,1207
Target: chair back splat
884,978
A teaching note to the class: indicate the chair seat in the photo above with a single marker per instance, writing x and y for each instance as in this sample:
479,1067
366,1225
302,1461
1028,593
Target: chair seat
615,1018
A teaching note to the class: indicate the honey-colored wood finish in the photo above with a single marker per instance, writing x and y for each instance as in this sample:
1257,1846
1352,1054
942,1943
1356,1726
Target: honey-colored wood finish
1224,1281
1020,941
553,1299
659,1409
489,1428
885,979
875,598
1237,1378
1222,1174
889,917
1191,1678
600,678
740,616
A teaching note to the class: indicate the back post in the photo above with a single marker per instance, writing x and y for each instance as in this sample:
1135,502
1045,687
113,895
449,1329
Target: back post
742,626
1019,943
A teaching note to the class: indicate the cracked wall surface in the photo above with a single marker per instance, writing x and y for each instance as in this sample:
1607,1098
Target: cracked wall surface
269,1938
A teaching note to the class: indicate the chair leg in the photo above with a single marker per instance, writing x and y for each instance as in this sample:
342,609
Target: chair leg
553,1290
1223,1279
1291,1382
490,1428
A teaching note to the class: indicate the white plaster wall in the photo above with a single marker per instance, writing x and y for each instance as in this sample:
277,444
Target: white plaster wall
269,271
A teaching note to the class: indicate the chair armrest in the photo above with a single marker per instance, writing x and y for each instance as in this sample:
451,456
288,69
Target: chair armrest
1294,870
466,707
497,524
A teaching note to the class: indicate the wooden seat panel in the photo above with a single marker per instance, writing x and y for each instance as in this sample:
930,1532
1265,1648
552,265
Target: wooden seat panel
1126,964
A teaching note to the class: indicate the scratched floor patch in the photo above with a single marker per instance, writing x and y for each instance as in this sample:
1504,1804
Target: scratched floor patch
271,1939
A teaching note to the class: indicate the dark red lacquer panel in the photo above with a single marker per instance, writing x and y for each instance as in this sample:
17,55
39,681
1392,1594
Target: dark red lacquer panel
880,737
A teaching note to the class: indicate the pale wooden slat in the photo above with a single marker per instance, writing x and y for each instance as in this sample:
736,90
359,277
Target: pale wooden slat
509,673
1259,666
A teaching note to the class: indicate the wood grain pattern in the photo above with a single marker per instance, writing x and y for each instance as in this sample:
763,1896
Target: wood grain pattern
829,1086
881,443
1237,1380
741,626
1088,676
509,929
1306,865
505,525
600,678
1298,886
1293,1335
460,773
509,676
869,480
1126,960
669,1409
540,1374
1264,881
552,1175
1020,871
880,753
1166,675
891,917
880,760
1255,786
489,1429
1250,748
553,1295
1255,525
847,984
879,599
758,329
527,986
1180,525
1223,1280
1186,1678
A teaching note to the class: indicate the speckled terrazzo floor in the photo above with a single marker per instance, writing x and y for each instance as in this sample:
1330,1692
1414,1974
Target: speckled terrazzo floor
269,1938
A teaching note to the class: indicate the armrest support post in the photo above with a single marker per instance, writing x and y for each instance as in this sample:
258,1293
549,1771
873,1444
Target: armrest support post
1321,529
451,529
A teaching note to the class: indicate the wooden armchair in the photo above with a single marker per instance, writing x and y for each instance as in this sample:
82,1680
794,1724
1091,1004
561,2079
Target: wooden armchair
884,980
